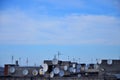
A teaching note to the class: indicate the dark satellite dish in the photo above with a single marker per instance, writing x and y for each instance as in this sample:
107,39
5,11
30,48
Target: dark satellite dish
71,69
25,72
96,66
65,67
78,66
86,68
109,61
56,70
82,68
12,70
51,74
77,70
61,73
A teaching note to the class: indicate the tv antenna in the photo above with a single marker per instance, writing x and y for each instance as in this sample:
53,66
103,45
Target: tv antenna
91,60
78,60
59,54
27,61
12,59
19,60
73,59
35,64
68,58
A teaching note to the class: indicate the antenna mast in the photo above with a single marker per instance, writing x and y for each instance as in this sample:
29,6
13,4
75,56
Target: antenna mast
27,61
68,58
79,60
12,59
58,54
19,60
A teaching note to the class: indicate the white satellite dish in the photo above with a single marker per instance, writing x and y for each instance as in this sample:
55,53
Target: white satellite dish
74,70
73,65
109,61
35,72
45,67
41,71
55,61
99,61
51,74
79,75
25,72
61,73
12,70
96,66
56,70
65,67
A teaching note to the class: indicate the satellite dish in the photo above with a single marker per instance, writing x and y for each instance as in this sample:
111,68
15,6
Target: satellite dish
73,65
88,65
71,69
99,61
79,75
61,73
109,61
35,72
82,68
74,70
86,68
86,74
41,71
51,74
45,67
78,70
12,70
102,69
25,72
96,66
65,67
54,61
78,66
56,70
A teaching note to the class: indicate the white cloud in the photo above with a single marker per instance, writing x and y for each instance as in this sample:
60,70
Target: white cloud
19,28
81,5
64,3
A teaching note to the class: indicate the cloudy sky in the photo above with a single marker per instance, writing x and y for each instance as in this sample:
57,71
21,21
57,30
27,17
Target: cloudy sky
38,29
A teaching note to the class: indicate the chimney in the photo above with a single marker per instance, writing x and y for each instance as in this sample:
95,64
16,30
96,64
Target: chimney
16,62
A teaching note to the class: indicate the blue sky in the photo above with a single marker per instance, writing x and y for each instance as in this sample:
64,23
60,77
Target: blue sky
38,29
